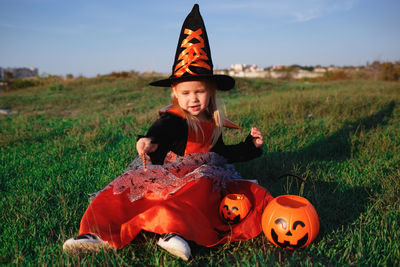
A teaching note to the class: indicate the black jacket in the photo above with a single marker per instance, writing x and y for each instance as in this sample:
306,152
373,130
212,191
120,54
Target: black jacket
171,132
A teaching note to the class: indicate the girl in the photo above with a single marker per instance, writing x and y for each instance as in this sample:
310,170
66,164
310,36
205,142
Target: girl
188,172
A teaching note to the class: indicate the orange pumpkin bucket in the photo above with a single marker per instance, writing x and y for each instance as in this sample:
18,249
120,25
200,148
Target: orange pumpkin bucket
290,222
234,208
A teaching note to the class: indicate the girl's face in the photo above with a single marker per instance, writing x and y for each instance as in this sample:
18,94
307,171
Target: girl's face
193,97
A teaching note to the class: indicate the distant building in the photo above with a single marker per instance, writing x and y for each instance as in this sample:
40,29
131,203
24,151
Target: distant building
244,68
301,74
332,69
277,67
320,70
19,73
275,72
237,67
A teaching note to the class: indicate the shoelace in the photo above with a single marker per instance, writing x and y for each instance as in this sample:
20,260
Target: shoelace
168,236
86,236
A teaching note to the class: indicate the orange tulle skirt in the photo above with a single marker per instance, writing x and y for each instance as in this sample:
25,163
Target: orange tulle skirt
192,212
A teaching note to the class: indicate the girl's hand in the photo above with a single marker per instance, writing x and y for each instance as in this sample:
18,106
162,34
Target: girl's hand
144,146
257,137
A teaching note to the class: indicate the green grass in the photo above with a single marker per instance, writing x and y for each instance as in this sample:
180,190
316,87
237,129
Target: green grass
342,136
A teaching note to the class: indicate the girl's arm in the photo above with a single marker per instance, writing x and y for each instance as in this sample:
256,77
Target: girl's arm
145,146
244,151
168,133
257,137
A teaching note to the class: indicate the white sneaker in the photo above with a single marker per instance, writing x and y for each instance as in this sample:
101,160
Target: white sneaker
175,245
85,243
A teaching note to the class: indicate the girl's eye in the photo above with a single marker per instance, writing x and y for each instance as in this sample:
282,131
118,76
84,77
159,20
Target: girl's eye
185,93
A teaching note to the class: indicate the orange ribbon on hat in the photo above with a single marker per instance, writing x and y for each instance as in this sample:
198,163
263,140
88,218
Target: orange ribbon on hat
192,55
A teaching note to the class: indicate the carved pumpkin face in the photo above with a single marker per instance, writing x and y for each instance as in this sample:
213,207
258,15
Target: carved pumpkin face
234,208
290,222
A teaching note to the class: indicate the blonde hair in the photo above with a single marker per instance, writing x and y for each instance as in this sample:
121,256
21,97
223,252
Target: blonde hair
212,111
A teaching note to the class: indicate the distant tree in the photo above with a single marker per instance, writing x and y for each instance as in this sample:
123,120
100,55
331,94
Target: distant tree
376,64
308,68
335,75
8,76
390,72
295,66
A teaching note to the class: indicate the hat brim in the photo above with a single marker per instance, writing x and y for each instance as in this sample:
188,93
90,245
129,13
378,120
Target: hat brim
224,82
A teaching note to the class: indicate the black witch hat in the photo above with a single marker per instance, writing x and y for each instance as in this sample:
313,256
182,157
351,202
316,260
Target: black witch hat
193,56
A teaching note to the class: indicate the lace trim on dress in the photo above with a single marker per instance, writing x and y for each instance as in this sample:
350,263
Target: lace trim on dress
166,179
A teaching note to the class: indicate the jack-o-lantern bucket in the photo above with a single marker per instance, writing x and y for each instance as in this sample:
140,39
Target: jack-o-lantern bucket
234,208
290,222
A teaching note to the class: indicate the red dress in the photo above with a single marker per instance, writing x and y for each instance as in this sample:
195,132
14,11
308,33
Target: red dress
180,197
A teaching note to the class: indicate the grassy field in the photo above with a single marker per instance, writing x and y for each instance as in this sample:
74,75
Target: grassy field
71,139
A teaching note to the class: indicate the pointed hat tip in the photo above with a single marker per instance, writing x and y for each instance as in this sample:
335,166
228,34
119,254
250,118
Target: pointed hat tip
196,7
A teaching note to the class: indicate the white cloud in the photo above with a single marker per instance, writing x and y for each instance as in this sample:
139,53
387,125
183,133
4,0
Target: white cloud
292,10
8,25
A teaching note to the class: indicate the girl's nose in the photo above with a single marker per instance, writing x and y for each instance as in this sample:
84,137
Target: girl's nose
193,97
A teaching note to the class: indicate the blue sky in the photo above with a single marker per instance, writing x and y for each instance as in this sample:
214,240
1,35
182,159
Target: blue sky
90,37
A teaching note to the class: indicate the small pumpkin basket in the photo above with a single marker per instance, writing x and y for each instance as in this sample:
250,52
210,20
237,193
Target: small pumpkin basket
290,222
234,208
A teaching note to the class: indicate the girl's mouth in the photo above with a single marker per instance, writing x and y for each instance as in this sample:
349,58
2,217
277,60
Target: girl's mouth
195,108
